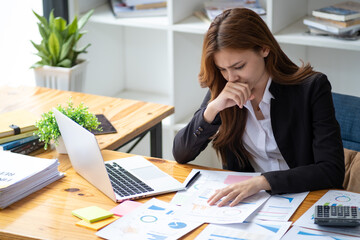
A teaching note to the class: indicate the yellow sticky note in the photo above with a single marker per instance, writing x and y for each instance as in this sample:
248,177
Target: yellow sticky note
92,214
97,225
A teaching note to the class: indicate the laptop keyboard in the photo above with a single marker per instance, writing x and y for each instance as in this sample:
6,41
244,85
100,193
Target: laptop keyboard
124,183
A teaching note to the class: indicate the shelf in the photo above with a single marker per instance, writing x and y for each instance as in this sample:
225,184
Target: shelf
191,25
296,34
104,15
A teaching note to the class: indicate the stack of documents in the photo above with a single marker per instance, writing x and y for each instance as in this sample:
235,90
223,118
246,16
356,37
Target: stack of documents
21,175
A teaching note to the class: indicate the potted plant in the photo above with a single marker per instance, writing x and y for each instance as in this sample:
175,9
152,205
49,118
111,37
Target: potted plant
59,66
48,130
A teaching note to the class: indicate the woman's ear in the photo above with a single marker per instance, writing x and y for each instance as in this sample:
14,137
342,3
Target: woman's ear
265,51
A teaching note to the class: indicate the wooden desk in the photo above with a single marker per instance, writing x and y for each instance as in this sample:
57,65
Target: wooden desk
46,214
131,118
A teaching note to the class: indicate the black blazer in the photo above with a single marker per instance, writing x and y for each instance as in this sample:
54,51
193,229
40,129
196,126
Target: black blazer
305,130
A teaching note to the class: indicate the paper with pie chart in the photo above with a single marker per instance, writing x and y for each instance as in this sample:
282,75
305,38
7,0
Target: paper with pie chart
154,220
198,209
257,230
194,201
332,198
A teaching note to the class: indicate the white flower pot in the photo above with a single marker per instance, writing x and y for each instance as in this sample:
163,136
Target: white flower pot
70,79
60,147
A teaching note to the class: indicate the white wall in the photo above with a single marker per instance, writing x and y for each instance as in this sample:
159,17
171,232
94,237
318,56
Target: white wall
18,26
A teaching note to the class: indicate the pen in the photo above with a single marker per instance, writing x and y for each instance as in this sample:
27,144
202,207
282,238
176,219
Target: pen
196,175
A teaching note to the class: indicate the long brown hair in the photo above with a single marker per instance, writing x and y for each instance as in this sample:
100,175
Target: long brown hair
241,28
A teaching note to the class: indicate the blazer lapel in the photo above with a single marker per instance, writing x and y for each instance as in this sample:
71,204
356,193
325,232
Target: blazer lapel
278,112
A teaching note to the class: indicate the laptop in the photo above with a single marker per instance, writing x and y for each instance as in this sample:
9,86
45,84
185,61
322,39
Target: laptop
121,179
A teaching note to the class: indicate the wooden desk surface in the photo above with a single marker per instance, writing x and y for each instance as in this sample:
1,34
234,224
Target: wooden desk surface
46,214
129,117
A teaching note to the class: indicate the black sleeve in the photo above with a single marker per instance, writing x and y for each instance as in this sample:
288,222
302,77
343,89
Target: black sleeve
195,136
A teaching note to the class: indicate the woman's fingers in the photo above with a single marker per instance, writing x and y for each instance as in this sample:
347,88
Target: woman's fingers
235,193
234,93
228,199
238,199
216,196
238,92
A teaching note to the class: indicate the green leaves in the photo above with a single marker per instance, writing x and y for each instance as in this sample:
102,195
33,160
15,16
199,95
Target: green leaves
59,40
66,47
48,129
59,24
83,20
54,46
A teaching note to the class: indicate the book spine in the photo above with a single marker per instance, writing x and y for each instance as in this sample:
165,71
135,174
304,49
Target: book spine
139,2
28,148
16,143
150,5
16,137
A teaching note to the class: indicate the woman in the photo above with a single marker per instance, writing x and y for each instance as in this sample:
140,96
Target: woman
262,113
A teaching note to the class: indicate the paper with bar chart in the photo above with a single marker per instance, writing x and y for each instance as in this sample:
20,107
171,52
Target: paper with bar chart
297,232
257,230
194,203
152,220
279,207
332,198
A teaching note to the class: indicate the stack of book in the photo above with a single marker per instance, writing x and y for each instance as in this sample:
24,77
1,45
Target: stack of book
215,7
138,8
17,132
341,20
22,175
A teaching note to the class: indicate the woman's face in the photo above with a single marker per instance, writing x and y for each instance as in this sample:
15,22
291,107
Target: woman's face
245,66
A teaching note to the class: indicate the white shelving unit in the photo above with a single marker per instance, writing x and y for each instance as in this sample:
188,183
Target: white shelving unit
157,59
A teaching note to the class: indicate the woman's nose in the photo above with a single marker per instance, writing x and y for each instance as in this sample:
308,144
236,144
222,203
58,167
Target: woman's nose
232,76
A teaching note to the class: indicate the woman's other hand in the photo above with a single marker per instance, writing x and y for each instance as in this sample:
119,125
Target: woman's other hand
236,192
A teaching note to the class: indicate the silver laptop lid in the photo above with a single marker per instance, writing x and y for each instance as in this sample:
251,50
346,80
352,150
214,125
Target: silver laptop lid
84,153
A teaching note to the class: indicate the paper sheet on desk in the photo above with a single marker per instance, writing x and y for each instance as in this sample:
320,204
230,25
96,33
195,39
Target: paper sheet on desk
297,232
194,200
279,207
206,178
152,220
332,197
276,208
257,230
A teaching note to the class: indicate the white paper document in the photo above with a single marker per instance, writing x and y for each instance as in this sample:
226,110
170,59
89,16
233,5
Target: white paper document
332,198
154,219
257,230
206,179
194,200
297,232
279,207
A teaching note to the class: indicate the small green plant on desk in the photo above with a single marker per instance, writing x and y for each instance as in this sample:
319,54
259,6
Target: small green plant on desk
48,130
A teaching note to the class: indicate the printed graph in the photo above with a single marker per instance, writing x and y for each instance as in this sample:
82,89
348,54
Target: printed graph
343,198
148,219
177,225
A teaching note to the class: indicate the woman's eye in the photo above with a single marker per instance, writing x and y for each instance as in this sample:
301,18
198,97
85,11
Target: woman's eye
240,67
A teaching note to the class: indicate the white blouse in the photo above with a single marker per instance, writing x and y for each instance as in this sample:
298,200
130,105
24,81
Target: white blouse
259,139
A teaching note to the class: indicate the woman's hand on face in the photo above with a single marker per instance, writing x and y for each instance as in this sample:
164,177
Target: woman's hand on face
236,192
234,93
